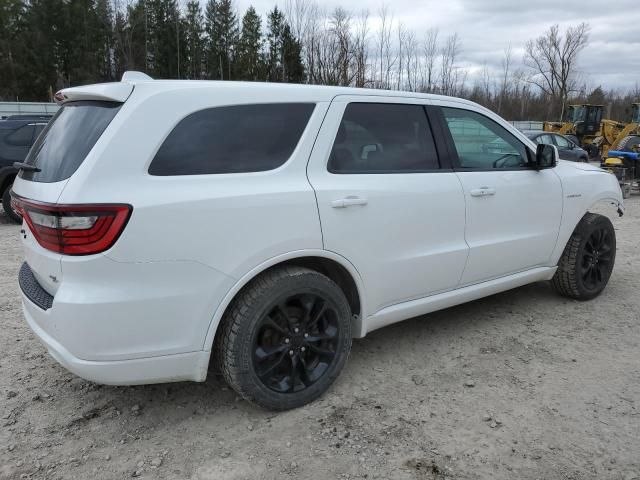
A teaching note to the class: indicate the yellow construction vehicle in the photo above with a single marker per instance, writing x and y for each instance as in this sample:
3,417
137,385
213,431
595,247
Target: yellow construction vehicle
581,123
622,151
623,137
585,125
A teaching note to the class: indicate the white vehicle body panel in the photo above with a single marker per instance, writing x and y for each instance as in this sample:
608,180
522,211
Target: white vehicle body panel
147,309
421,244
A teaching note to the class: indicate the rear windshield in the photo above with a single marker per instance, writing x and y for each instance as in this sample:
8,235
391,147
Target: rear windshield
68,138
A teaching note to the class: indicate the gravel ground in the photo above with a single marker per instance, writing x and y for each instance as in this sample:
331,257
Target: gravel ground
521,385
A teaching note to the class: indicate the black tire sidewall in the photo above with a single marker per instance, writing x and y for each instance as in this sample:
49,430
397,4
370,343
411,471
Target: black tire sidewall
585,231
628,142
6,204
251,386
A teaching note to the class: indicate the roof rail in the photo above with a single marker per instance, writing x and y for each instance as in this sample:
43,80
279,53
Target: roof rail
133,76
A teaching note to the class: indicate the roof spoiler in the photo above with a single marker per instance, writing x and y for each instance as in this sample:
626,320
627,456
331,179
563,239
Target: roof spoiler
106,92
133,76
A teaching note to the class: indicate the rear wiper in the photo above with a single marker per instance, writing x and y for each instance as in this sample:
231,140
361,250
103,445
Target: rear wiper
26,167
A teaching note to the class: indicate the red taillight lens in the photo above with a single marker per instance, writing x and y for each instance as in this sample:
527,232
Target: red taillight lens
74,229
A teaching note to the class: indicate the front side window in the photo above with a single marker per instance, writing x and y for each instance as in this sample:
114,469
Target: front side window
483,144
383,138
233,139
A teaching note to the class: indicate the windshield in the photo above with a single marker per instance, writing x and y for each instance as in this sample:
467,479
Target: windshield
579,114
69,137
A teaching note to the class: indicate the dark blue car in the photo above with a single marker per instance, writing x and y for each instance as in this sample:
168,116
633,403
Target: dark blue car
17,135
567,148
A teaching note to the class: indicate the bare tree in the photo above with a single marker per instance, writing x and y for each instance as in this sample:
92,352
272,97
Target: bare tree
412,61
361,49
430,53
401,44
386,54
504,85
553,57
449,73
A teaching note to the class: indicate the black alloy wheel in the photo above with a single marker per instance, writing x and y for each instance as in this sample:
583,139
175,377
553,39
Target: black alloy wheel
588,259
596,260
295,343
285,337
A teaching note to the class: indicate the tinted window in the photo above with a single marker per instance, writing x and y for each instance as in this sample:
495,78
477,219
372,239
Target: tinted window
68,138
483,144
39,128
383,138
241,138
21,137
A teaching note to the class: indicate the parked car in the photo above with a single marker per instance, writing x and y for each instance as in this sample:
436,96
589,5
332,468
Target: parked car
17,134
263,226
567,148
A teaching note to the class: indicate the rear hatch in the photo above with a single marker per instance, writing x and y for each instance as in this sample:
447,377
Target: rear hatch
55,156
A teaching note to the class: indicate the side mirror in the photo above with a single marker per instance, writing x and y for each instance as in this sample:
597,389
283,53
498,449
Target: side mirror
546,156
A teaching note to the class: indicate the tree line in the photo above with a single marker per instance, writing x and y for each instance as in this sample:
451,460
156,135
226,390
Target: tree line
51,44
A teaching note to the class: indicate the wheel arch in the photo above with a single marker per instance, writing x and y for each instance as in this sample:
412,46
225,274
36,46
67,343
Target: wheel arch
572,218
336,267
7,175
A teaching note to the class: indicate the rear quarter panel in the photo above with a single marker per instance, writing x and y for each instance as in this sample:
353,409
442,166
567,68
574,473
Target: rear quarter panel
229,222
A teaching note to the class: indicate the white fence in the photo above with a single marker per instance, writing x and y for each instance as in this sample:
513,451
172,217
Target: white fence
27,108
527,125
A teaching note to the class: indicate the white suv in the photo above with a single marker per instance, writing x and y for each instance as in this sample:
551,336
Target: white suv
271,224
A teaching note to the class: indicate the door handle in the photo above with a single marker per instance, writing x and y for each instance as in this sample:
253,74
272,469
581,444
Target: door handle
483,192
348,201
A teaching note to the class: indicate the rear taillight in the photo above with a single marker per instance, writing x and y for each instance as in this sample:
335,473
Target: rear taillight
74,229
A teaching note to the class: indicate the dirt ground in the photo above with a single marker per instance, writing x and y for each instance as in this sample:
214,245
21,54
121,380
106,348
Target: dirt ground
521,385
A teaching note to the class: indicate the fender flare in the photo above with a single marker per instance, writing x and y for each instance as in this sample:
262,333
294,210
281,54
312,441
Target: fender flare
360,329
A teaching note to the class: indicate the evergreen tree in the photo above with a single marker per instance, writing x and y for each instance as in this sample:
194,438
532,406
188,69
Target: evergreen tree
11,47
40,38
211,47
285,51
293,68
104,41
194,37
250,64
225,36
164,42
275,21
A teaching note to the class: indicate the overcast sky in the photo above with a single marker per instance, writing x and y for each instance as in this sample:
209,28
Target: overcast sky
486,27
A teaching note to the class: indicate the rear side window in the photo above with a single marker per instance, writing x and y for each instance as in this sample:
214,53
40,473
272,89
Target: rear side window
68,138
234,139
383,138
21,137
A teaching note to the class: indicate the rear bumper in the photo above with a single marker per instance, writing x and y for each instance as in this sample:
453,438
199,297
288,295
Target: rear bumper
125,323
167,368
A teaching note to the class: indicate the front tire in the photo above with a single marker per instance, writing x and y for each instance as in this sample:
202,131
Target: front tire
285,338
8,208
587,261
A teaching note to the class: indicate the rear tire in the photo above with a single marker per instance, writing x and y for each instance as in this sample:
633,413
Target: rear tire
586,264
8,208
630,143
592,150
285,338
